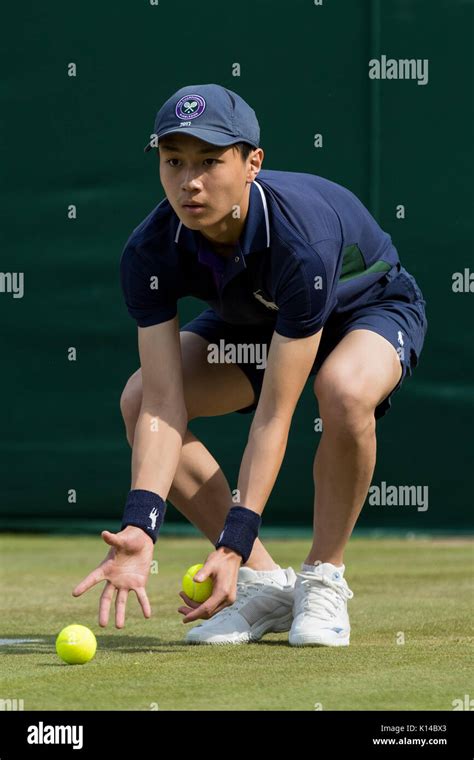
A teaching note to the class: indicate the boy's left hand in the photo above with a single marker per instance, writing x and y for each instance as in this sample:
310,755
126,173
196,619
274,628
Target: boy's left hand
222,566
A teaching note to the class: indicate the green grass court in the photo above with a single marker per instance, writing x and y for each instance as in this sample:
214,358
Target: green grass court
419,588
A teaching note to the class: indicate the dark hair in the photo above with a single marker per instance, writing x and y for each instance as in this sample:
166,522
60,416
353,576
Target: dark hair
244,149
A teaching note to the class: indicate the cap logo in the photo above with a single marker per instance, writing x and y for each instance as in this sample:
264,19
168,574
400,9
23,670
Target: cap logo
190,106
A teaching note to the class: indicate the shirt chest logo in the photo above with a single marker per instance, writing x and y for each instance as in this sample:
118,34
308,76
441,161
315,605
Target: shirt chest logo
260,297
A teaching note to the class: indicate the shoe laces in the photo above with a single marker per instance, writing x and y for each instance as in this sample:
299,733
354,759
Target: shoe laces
323,598
245,589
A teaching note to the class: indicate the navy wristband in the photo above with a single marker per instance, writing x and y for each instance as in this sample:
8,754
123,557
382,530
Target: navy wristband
145,510
240,531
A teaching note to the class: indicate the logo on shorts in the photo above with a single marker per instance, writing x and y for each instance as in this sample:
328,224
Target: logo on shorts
400,349
190,107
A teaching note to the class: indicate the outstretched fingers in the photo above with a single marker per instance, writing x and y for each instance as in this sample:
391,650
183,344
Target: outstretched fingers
120,607
96,576
144,603
105,602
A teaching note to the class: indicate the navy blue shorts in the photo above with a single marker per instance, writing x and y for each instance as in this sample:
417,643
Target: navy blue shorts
397,313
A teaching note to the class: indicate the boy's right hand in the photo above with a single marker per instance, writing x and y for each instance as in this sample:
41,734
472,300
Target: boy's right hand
125,569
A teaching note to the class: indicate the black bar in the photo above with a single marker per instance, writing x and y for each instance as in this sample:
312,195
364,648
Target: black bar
428,734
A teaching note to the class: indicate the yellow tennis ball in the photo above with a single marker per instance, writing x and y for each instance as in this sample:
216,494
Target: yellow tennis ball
196,591
76,644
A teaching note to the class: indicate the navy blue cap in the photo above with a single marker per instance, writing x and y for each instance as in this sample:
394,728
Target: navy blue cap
208,111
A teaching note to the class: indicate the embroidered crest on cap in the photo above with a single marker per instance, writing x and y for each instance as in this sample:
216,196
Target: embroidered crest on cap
190,106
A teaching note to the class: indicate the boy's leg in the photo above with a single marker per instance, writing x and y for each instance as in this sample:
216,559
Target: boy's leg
357,375
200,490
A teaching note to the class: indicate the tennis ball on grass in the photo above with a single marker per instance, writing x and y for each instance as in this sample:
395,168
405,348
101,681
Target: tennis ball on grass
196,591
76,644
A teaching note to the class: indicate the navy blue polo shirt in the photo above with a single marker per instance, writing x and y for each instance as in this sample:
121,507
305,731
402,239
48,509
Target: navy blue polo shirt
309,248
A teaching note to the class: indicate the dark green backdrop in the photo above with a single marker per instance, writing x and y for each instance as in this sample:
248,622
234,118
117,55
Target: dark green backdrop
80,141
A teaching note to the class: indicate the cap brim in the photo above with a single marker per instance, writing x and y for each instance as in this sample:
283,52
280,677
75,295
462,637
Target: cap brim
207,135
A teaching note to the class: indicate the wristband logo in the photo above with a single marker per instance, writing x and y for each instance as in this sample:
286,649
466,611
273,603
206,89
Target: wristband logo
153,515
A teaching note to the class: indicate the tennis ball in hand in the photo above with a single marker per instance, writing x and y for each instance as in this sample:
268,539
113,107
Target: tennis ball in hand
196,591
76,644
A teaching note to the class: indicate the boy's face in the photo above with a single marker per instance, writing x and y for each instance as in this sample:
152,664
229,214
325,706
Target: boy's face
193,171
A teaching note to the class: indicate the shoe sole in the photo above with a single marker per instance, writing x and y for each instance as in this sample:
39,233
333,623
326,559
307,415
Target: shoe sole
283,625
301,640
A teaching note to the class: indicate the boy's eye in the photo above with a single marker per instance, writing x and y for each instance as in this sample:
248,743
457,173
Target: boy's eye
169,161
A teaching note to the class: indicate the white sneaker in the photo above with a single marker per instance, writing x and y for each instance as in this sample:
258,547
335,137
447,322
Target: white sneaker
320,611
263,605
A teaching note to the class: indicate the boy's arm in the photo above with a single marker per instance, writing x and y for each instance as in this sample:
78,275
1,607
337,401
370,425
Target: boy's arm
289,364
156,451
162,420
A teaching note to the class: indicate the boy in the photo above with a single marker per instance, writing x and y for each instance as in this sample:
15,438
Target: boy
295,270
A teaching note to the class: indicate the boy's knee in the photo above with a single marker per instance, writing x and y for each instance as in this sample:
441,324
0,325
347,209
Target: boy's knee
131,398
344,403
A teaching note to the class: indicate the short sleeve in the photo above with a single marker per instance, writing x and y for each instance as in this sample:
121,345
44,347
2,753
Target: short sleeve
149,288
306,293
